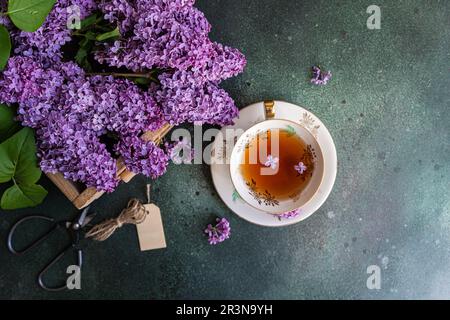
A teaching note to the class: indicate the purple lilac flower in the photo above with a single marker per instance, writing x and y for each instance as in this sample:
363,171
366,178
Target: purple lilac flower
81,158
271,162
183,100
126,12
119,11
300,167
70,111
4,20
218,233
224,62
165,34
47,41
174,34
319,77
290,214
142,157
46,103
122,107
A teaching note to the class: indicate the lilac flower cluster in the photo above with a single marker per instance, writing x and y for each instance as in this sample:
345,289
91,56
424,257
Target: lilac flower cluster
141,156
71,111
218,233
164,33
54,33
173,35
320,77
178,92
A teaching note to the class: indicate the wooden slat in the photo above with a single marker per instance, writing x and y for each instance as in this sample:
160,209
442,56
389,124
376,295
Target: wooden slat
157,135
87,197
67,187
120,167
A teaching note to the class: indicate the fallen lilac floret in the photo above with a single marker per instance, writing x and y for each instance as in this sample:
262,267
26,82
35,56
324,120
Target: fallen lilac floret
218,233
320,77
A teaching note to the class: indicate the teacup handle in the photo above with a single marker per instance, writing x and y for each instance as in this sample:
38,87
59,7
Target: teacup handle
268,108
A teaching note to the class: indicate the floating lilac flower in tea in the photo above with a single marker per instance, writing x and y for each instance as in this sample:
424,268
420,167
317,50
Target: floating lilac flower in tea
290,214
218,233
320,77
300,167
271,162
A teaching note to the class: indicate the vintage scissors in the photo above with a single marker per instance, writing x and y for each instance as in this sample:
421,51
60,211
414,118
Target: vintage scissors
73,228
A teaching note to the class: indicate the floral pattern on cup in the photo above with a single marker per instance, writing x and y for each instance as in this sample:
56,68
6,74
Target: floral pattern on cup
261,197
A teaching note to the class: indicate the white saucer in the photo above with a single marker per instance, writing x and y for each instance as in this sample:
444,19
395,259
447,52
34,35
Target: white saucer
248,117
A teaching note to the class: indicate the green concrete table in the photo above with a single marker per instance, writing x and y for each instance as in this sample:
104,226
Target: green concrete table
388,109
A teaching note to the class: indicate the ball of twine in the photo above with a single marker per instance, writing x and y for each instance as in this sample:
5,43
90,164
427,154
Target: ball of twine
134,213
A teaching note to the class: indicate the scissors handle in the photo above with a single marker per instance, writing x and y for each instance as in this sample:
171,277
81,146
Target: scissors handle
36,242
55,260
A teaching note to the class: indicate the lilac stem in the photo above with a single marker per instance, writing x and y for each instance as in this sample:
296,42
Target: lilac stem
126,75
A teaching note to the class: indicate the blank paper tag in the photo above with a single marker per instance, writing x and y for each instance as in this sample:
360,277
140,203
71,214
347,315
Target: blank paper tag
151,231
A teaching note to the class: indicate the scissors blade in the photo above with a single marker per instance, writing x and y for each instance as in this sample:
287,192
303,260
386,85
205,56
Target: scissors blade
82,216
88,220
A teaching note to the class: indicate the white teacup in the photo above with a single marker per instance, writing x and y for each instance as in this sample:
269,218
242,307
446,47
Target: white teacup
259,198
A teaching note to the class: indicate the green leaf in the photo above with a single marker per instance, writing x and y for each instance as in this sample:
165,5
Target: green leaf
81,56
89,21
22,196
84,43
90,35
290,130
8,126
18,159
82,59
109,35
18,163
235,195
5,47
29,15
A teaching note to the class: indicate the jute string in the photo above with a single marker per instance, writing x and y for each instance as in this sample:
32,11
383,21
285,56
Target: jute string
135,213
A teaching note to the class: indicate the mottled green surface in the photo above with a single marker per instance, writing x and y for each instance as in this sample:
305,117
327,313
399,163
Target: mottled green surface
388,109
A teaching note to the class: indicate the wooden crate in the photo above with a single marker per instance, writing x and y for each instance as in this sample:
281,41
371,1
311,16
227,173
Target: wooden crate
81,196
